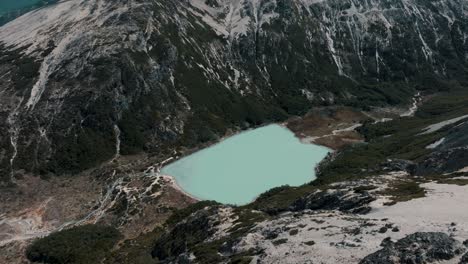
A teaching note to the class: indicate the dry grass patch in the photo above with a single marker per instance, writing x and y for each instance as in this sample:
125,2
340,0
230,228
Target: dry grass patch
403,191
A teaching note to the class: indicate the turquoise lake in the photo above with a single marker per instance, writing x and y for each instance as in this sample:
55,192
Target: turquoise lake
238,169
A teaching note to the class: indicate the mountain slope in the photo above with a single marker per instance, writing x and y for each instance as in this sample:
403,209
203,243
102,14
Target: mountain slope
86,81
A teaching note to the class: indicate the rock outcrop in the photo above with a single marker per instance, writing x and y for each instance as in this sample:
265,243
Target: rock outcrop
95,79
417,248
464,259
345,201
444,161
174,245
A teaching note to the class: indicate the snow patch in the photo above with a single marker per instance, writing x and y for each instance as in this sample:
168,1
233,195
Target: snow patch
435,144
331,48
31,29
234,18
117,141
436,127
14,131
425,48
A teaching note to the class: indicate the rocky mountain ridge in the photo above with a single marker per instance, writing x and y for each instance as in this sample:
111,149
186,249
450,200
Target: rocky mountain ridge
85,81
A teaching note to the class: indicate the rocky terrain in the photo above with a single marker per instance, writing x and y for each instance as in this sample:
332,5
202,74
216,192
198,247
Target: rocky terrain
392,199
114,194
424,230
85,81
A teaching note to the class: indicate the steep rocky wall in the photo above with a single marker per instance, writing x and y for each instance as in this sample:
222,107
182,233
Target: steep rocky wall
84,81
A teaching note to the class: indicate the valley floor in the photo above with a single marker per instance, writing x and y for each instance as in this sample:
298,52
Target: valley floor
124,193
129,193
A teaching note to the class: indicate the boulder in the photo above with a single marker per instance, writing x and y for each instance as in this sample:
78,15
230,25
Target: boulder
416,248
399,165
464,259
446,161
345,201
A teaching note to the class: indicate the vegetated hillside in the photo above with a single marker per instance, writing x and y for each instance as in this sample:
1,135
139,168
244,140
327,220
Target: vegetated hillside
84,244
334,217
84,81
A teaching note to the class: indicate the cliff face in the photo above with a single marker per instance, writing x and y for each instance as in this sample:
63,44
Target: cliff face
85,81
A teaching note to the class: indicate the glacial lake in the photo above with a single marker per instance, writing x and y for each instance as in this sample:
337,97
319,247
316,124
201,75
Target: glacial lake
239,168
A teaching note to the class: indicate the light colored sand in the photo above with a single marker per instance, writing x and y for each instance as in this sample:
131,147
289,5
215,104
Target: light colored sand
445,204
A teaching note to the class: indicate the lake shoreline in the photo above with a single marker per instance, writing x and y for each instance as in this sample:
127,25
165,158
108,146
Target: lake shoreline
303,138
270,152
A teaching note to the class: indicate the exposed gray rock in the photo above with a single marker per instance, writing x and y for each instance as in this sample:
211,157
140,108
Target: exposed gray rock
464,259
173,245
79,87
399,165
457,136
386,242
271,233
345,201
416,248
383,230
445,161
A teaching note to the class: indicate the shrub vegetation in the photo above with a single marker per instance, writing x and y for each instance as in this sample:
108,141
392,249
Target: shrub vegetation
79,245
